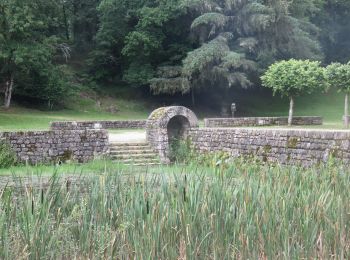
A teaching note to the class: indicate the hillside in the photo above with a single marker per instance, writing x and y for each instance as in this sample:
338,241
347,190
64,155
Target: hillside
256,103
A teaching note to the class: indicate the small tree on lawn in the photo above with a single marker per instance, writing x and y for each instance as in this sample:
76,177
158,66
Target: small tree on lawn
338,76
293,78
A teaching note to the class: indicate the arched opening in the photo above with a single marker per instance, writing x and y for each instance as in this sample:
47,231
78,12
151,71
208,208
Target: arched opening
177,129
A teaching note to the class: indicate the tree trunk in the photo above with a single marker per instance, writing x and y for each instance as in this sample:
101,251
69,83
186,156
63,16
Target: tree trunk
291,110
65,20
8,92
193,99
346,111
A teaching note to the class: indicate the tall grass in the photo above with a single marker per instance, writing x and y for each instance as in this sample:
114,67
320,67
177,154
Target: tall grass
245,211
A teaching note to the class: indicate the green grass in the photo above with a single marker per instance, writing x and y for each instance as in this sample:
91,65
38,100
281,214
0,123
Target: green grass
17,119
330,106
250,103
246,211
95,167
82,106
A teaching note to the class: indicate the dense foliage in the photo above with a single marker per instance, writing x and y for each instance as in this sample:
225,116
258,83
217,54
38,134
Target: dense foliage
167,46
29,45
7,157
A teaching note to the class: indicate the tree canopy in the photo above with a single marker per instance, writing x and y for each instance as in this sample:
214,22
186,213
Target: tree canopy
28,46
162,46
293,78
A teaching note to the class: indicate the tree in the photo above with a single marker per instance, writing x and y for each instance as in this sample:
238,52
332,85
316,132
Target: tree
334,22
238,39
27,47
338,76
18,26
136,37
83,17
293,78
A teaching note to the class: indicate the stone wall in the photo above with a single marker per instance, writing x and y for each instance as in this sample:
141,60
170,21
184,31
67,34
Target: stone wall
261,121
302,147
83,125
54,146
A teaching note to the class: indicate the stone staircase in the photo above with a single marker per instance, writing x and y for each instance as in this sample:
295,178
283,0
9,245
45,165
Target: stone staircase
136,154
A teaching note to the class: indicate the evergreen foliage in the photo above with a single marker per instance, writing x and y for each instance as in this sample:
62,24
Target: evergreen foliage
167,46
241,38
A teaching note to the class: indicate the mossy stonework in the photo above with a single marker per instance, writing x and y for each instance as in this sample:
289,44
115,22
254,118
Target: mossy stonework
285,146
167,123
53,146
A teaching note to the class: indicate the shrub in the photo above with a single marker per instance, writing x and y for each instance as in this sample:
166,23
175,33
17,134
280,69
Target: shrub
180,151
7,156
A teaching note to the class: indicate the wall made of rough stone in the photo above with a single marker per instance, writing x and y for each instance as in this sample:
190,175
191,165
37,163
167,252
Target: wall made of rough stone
83,125
52,146
301,147
157,132
260,121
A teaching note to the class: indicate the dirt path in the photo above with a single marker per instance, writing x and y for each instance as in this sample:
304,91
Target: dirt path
128,137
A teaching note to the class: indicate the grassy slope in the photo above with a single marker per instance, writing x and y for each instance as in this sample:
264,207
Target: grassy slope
18,118
330,106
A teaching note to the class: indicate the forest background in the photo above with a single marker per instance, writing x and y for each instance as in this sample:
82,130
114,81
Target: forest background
194,51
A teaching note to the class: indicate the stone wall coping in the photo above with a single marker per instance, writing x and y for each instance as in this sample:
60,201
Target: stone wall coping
39,132
270,129
97,124
97,121
258,117
261,121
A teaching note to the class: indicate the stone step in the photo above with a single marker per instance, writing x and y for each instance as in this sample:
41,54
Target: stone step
143,164
135,156
138,161
128,148
115,144
140,151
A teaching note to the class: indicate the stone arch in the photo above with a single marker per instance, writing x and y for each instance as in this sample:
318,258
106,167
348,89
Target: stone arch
166,123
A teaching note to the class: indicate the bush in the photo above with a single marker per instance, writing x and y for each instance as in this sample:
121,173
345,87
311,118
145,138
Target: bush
7,156
215,159
180,151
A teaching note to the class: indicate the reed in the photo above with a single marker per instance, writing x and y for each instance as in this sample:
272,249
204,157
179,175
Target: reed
244,211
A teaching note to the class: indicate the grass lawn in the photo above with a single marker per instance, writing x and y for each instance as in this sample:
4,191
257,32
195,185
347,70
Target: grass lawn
29,119
329,106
